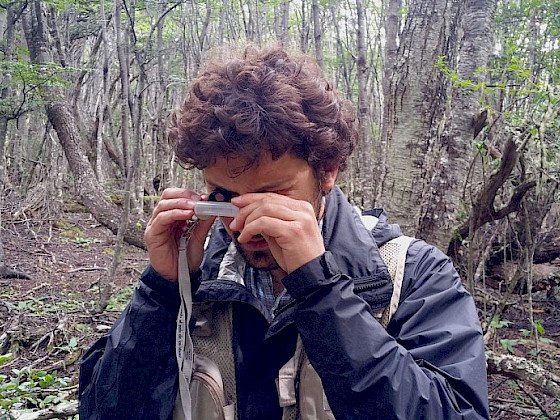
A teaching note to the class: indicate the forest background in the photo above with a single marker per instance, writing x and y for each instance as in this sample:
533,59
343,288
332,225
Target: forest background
458,109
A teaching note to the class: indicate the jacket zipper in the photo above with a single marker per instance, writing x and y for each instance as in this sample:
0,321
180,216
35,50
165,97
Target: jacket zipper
368,284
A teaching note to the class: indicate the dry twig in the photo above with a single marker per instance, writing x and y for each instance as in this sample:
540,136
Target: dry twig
535,400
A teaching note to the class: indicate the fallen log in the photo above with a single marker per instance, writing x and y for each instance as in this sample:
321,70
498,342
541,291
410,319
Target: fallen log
524,370
58,411
9,273
546,276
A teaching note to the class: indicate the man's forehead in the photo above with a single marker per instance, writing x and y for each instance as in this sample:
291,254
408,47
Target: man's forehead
258,185
265,175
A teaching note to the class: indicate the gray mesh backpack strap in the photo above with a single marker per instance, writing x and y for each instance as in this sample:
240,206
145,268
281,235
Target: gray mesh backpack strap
394,257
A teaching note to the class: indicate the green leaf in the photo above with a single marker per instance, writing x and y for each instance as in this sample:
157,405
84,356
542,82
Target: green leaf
5,358
497,323
539,326
508,344
525,333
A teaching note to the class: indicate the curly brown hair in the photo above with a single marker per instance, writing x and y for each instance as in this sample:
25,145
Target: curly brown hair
264,102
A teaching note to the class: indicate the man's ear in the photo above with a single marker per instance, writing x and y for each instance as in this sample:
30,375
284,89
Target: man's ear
328,179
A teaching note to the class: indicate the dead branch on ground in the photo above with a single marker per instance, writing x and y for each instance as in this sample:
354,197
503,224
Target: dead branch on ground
59,411
522,369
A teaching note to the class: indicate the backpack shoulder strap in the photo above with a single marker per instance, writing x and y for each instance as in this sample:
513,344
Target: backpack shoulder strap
393,254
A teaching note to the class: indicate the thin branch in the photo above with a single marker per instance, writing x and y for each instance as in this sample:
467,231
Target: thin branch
535,400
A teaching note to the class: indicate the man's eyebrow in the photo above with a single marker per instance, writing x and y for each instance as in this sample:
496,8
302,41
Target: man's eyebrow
261,188
270,186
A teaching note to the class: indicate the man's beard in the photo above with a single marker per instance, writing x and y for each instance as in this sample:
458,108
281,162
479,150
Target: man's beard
264,260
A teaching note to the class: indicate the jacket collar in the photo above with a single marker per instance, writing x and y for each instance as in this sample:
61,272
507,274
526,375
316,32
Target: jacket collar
353,246
350,242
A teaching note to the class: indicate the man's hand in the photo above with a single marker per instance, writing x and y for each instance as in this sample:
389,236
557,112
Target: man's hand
289,226
165,228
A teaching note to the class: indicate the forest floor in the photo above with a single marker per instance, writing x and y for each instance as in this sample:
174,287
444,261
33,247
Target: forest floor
47,322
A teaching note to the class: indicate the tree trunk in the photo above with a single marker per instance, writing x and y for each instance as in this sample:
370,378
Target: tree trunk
428,138
91,192
5,93
101,100
317,33
391,47
125,214
443,192
285,22
4,179
365,173
125,97
341,52
161,175
304,28
5,271
204,33
413,100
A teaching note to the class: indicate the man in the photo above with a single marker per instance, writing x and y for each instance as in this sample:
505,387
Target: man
269,131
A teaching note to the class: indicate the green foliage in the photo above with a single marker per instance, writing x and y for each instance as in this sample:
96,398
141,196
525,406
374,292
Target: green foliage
148,198
118,301
539,326
44,305
29,305
403,12
70,346
497,323
80,6
480,147
539,329
85,242
515,67
508,344
32,389
28,82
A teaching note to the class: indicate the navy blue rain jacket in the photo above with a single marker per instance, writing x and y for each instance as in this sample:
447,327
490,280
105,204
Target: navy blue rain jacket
428,364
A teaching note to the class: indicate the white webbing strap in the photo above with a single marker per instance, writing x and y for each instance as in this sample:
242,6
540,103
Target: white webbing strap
183,341
286,381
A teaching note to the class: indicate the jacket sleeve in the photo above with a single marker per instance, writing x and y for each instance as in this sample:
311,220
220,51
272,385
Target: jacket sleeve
132,372
430,362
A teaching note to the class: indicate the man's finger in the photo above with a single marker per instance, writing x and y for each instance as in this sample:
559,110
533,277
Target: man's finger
172,203
163,220
179,193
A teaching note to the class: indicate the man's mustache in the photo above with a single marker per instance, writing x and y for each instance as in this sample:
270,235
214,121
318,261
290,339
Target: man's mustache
256,237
